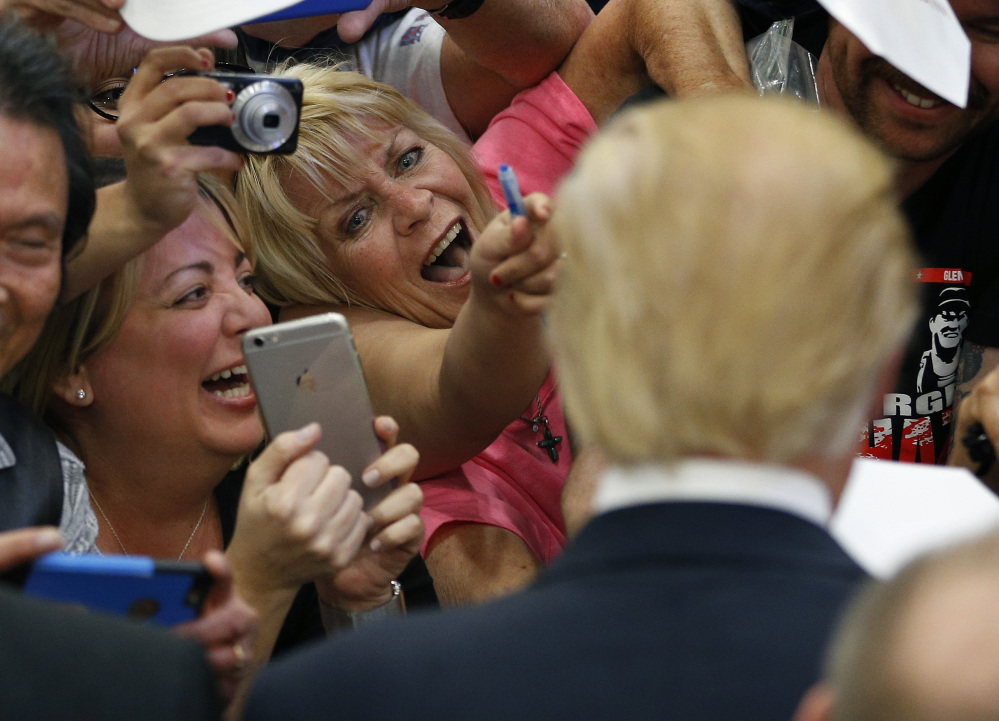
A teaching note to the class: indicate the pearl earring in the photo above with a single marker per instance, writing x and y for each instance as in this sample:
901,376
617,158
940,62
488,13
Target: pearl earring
81,394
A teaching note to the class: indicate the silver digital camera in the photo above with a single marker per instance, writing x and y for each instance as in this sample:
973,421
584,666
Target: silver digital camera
267,110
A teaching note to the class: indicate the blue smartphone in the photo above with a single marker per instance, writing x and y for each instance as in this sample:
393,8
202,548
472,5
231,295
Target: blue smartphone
143,589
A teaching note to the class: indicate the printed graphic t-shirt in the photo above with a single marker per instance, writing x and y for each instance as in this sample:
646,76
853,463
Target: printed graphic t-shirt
955,221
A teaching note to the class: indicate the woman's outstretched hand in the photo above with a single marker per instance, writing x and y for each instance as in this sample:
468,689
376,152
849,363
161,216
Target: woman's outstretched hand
515,261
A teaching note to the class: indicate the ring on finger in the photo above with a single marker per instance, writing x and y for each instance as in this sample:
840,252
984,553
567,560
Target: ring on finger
240,653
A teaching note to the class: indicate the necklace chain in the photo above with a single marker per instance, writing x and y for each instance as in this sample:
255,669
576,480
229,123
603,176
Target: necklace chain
549,442
118,538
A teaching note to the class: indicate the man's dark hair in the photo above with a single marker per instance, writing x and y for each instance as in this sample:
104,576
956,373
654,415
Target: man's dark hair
36,87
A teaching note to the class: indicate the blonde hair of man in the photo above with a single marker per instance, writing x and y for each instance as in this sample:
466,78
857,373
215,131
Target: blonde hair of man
340,109
738,278
923,646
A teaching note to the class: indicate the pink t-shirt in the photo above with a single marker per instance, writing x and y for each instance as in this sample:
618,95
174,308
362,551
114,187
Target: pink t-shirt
539,136
513,483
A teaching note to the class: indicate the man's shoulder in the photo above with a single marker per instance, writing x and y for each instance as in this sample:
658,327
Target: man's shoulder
604,619
56,663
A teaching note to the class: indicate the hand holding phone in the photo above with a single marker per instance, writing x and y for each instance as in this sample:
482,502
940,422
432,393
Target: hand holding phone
306,371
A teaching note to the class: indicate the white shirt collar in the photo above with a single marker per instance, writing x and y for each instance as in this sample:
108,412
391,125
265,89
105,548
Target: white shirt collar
715,480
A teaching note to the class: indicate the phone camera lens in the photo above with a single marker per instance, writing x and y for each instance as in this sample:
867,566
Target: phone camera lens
258,342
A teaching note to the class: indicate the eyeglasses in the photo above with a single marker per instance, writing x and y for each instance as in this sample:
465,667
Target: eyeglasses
104,100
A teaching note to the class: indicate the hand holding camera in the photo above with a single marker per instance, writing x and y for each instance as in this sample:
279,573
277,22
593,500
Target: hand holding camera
265,112
154,122
178,118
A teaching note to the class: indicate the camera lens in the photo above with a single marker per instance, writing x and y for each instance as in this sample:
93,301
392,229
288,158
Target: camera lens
258,342
265,116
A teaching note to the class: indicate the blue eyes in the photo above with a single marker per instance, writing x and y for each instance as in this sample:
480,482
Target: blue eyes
358,218
410,158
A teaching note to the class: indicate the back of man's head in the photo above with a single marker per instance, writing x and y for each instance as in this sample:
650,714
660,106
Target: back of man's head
737,279
36,87
921,647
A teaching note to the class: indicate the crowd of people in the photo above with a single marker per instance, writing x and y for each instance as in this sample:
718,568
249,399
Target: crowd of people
615,426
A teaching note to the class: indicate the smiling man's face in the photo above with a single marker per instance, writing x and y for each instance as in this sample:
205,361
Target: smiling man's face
33,205
910,122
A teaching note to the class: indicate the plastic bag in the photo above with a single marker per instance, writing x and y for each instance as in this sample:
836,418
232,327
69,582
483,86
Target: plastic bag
780,66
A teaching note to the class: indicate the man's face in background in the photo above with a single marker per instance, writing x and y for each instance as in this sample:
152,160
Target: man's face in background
910,122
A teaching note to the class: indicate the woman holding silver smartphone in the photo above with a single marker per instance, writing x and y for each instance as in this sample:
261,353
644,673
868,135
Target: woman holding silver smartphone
143,379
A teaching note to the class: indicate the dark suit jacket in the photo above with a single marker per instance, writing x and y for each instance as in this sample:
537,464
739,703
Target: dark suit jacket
668,611
59,664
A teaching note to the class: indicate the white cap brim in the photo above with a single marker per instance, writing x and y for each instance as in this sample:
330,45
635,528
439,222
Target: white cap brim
170,20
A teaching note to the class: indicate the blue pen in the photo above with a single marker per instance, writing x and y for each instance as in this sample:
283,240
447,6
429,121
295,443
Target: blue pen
511,189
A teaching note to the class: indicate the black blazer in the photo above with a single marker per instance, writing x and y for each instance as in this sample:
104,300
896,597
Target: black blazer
668,611
58,664
31,489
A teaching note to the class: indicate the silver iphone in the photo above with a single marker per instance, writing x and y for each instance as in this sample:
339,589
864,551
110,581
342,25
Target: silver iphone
307,370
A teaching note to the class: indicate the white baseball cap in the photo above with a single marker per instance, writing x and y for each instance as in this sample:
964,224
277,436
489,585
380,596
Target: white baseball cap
169,20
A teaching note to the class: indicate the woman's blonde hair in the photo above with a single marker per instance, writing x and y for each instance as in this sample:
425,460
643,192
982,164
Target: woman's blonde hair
738,278
339,110
77,330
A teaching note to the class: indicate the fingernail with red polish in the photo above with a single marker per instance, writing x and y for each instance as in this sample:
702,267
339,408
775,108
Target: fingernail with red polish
512,297
495,280
229,95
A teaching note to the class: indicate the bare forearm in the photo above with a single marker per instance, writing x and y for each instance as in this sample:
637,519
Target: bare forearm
494,355
493,365
443,391
522,41
688,48
692,47
117,234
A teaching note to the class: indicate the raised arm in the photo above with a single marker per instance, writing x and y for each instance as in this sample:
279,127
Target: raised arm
161,186
486,57
453,390
502,48
693,47
101,15
688,48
